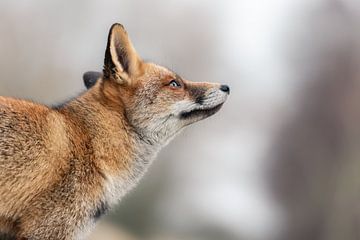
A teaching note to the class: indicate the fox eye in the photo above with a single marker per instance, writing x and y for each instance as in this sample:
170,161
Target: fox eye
175,84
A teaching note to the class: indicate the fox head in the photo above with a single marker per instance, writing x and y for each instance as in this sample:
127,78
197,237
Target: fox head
157,102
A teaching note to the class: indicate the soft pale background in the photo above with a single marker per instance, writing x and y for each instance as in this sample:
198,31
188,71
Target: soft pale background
280,159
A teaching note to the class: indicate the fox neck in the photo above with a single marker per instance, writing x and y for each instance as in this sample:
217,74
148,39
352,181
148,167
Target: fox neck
122,154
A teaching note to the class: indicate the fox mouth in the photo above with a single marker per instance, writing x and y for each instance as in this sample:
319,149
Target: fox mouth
203,113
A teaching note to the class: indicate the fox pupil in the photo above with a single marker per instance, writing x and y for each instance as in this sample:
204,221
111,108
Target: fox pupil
174,83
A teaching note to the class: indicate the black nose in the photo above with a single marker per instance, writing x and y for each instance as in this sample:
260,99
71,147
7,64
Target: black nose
225,88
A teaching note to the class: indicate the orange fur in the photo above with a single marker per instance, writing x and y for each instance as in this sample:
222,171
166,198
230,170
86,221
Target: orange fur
61,168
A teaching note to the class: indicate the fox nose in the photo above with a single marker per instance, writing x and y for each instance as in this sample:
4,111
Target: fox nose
225,88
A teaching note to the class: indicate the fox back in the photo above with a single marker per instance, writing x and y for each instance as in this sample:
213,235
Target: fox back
63,167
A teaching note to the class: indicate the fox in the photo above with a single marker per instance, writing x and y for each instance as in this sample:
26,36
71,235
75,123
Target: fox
63,167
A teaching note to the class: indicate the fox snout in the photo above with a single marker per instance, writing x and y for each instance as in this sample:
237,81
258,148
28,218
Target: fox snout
225,88
205,99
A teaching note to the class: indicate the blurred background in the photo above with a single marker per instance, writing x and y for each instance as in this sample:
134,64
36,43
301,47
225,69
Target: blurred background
281,161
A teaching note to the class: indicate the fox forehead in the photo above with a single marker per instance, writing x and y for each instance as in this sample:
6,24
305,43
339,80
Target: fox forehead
152,78
152,72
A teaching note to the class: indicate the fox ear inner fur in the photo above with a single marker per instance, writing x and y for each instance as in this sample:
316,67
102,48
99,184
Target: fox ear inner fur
121,60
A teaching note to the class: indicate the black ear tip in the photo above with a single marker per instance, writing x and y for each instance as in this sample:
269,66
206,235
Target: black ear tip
116,25
90,78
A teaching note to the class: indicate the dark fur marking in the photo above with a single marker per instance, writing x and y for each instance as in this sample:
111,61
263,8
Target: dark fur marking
200,112
6,236
197,94
101,209
109,66
10,227
199,100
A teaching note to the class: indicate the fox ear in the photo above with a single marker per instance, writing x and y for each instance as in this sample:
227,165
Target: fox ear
90,78
121,60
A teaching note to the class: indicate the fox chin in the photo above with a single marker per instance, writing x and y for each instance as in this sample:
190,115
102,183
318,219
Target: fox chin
63,167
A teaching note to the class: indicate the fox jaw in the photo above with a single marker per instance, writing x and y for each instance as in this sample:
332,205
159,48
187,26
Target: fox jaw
157,102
